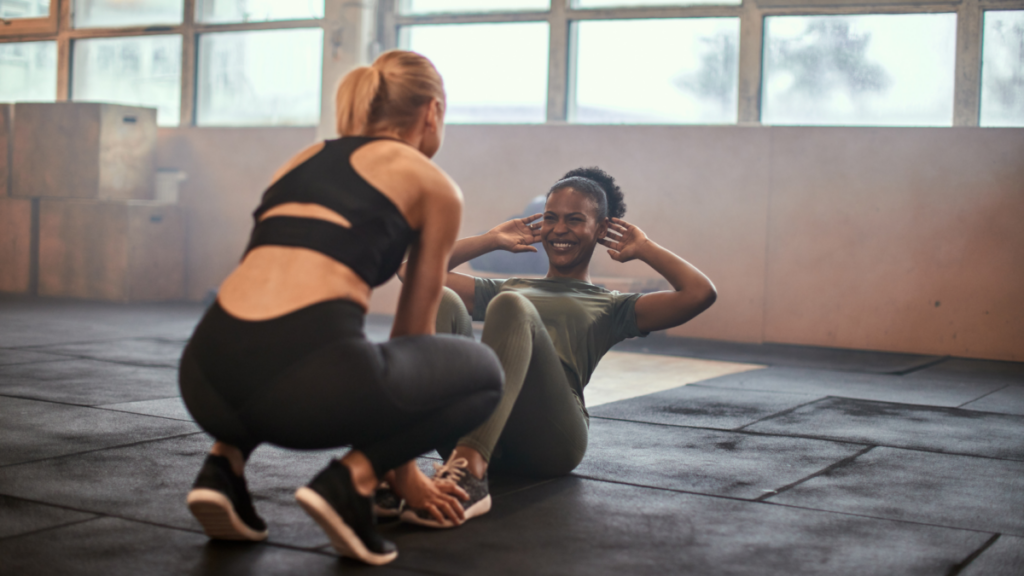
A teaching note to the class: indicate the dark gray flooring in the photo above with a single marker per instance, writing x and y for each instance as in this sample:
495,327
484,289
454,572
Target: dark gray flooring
827,462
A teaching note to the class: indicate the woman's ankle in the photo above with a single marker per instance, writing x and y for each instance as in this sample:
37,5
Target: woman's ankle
477,465
363,476
233,454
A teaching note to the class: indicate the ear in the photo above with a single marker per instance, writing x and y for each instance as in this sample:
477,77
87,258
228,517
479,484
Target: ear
602,229
432,121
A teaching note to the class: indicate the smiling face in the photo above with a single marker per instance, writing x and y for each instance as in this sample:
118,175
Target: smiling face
570,231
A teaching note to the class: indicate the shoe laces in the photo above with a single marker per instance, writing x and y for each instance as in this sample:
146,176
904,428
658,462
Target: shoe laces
452,471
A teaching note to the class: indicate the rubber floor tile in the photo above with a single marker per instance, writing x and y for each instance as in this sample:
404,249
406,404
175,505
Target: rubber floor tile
1003,558
884,388
703,407
114,547
969,370
172,408
581,527
948,430
135,351
87,382
15,356
34,430
781,354
945,490
19,516
703,461
1009,400
40,321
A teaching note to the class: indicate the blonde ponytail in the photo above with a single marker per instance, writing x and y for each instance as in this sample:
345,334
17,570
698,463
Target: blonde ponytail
386,95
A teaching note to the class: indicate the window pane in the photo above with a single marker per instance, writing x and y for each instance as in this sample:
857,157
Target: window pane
28,72
493,73
11,9
873,70
224,11
635,3
262,78
104,13
138,71
657,71
441,6
1002,69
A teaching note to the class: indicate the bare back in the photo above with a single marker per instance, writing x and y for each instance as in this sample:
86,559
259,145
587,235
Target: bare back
274,280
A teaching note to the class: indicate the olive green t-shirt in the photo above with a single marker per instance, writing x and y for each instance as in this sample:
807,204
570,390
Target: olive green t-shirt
583,320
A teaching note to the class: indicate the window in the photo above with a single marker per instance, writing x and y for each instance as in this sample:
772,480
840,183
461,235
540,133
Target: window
134,70
11,9
639,3
880,70
28,72
657,71
450,6
229,11
493,73
260,78
1002,69
112,13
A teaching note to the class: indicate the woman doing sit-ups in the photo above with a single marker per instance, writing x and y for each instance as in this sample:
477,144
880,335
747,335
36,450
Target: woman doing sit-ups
550,333
281,357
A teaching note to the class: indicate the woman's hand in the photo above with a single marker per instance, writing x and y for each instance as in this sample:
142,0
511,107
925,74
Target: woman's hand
440,499
517,234
624,240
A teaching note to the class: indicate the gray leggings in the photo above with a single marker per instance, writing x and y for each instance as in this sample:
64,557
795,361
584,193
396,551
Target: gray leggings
539,427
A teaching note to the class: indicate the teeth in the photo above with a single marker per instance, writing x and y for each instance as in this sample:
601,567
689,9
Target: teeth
561,244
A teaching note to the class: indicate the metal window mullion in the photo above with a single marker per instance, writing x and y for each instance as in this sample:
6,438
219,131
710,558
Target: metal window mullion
750,64
63,51
702,11
187,108
967,79
558,62
861,9
485,18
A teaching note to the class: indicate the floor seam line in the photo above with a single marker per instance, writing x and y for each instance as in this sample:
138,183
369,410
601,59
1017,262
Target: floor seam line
825,470
973,555
983,396
57,527
928,364
781,413
116,447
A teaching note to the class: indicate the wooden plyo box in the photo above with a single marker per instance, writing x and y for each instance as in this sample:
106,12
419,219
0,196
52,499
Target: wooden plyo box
15,244
83,150
111,250
5,146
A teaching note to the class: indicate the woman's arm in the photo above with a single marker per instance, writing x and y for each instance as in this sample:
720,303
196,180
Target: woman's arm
515,236
440,211
694,292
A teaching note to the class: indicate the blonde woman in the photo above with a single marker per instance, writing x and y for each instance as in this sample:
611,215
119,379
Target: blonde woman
281,357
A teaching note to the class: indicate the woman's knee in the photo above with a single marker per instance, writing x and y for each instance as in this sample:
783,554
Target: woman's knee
509,306
452,316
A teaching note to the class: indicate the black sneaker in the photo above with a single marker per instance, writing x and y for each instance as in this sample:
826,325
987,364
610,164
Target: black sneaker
345,515
386,503
455,471
220,501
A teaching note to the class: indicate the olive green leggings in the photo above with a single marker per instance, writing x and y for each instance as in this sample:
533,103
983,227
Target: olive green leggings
539,427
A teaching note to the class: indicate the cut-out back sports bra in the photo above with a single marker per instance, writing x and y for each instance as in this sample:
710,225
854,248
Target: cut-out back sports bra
375,244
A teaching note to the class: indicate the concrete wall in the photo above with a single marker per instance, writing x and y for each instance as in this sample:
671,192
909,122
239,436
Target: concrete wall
887,239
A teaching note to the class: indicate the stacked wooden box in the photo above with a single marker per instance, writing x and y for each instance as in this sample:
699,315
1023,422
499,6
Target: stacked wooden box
78,219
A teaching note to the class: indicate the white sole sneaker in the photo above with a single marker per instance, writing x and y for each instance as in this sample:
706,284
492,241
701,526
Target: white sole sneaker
217,515
479,508
343,538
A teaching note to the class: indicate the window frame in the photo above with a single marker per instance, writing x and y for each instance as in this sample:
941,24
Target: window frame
66,34
561,16
19,27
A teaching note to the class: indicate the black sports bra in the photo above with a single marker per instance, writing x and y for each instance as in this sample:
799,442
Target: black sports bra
375,244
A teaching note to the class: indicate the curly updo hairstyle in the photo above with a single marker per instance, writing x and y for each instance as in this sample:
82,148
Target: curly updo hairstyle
597,184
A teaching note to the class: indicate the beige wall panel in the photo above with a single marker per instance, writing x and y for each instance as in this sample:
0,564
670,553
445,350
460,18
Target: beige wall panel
228,170
156,252
699,191
83,249
83,150
5,148
127,153
898,239
15,242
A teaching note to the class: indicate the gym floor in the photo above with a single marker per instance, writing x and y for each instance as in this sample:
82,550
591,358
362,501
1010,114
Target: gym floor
736,459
